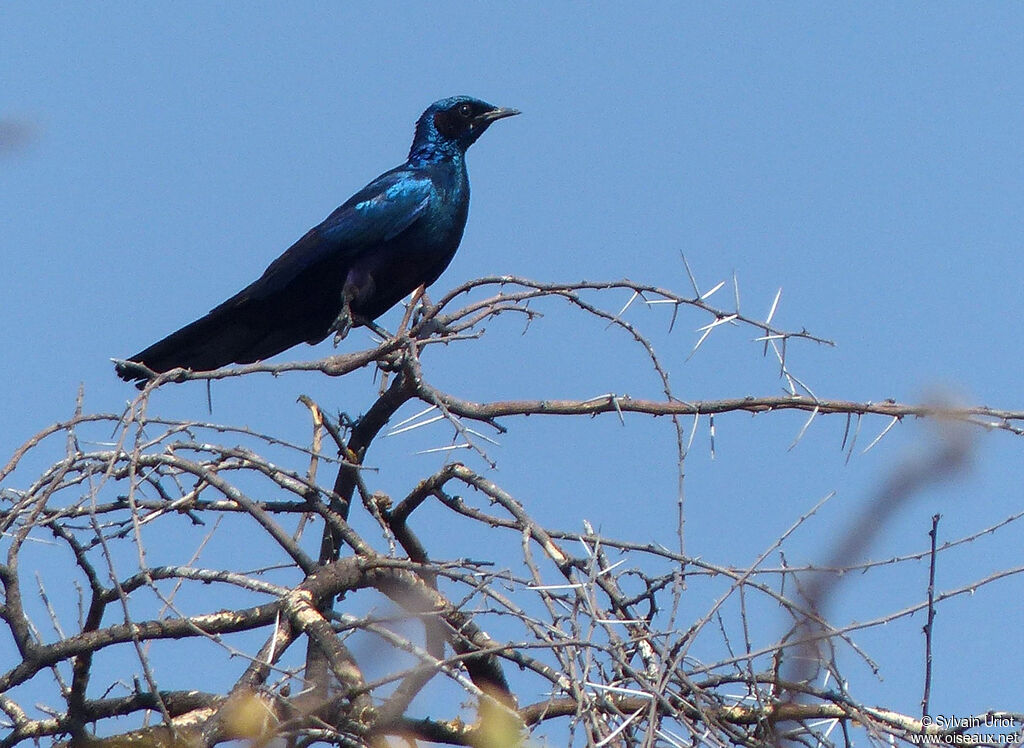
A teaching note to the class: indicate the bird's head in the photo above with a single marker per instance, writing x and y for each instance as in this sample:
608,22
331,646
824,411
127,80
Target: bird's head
454,124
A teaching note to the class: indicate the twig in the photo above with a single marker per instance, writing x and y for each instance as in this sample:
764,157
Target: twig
925,699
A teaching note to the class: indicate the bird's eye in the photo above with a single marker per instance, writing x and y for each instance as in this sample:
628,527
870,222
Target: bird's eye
466,111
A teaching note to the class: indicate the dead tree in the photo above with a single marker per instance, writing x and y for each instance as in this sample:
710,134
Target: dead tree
385,633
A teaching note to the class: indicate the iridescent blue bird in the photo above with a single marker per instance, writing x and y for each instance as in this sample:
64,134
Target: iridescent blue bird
394,236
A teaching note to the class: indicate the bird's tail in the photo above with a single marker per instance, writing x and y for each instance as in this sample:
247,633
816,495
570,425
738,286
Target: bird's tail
224,336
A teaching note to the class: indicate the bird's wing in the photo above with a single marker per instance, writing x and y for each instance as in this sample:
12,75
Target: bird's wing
382,210
376,214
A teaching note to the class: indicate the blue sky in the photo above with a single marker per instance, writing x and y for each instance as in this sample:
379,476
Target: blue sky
865,158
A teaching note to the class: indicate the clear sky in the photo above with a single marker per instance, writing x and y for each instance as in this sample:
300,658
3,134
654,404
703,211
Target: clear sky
866,158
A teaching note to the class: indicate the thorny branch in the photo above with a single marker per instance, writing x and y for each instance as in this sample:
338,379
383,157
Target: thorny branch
589,629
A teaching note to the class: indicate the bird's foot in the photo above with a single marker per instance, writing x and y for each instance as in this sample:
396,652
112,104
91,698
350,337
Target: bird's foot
345,321
343,324
392,362
417,295
434,327
377,329
421,309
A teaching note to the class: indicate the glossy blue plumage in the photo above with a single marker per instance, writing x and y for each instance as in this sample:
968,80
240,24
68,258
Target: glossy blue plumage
394,235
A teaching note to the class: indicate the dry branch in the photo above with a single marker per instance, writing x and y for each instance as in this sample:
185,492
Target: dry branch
597,633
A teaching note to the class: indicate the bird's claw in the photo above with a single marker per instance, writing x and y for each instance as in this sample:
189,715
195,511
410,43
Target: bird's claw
377,329
392,362
342,325
434,327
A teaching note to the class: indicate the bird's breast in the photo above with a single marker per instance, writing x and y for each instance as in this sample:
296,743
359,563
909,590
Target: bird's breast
417,256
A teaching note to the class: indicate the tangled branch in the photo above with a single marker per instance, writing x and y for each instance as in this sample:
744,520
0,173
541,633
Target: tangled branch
590,630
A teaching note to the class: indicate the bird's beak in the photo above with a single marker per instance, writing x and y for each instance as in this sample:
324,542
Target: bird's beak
501,113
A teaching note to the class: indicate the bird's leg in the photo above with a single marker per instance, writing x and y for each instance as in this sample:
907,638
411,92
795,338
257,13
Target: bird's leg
433,326
417,295
344,322
425,304
363,322
393,362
